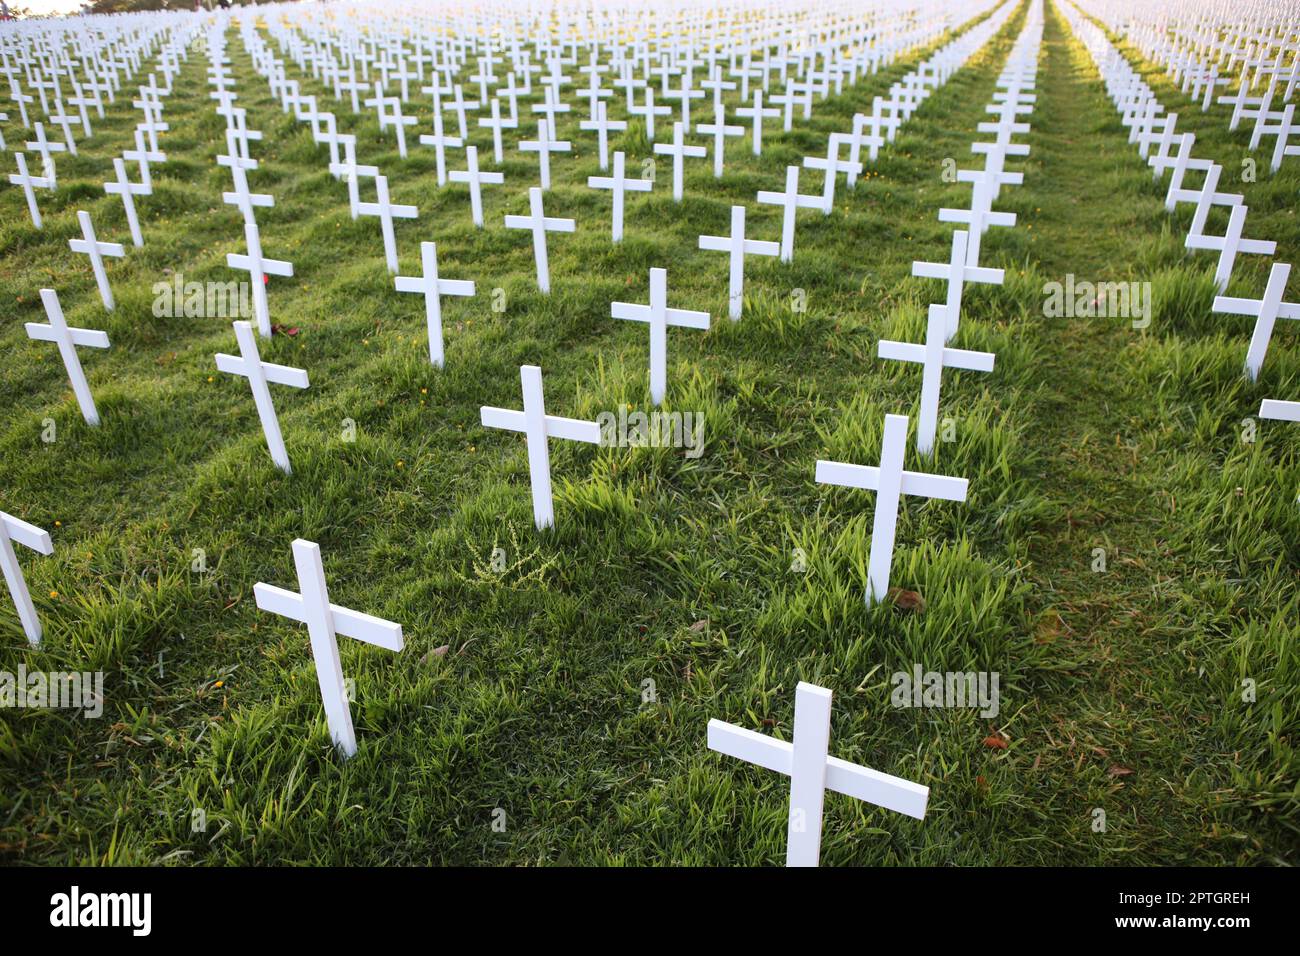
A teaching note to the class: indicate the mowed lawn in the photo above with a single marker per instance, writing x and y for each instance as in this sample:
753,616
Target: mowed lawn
723,579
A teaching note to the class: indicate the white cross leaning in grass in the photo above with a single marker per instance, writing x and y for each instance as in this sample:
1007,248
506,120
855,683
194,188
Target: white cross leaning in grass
324,622
387,212
1268,310
812,771
15,529
719,130
956,274
603,126
678,150
1205,197
1229,245
540,224
30,184
353,171
737,247
757,113
978,218
88,245
68,338
659,317
128,190
260,374
890,482
476,180
790,200
433,289
934,358
831,166
618,184
538,427
258,268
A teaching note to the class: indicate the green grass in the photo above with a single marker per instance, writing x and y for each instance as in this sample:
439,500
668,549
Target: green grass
661,567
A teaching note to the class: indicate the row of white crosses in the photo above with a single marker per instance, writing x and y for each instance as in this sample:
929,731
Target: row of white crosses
1149,127
890,481
1201,51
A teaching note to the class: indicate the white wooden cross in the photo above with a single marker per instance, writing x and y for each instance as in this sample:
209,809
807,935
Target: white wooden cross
538,427
1229,245
258,268
243,200
737,247
618,184
476,181
47,150
143,155
260,374
324,622
543,146
805,760
1204,198
540,224
497,124
1180,165
353,171
30,183
933,357
757,113
832,166
719,130
15,529
889,481
88,245
387,212
68,338
649,112
128,191
678,150
956,273
440,142
1268,310
603,126
659,317
978,218
433,289
789,201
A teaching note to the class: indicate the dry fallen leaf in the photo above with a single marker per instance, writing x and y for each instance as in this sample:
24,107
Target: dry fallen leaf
996,742
1118,771
906,600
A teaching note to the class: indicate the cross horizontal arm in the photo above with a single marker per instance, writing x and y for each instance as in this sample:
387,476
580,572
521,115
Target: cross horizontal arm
272,267
86,338
1235,306
1279,410
572,429
277,374
26,534
349,623
880,789
952,358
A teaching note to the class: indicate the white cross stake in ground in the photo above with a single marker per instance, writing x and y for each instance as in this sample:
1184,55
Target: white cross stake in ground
128,190
618,184
789,201
659,316
678,150
30,183
260,374
258,268
13,529
89,246
737,246
540,224
387,212
956,273
890,482
805,760
433,289
934,357
476,180
68,339
1229,245
538,427
1268,309
324,622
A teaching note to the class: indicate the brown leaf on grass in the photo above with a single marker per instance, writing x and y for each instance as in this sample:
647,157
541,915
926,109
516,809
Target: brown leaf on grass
906,600
700,625
1117,771
1048,627
995,742
436,652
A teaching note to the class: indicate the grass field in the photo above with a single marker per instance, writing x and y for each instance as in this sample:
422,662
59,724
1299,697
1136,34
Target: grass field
522,689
